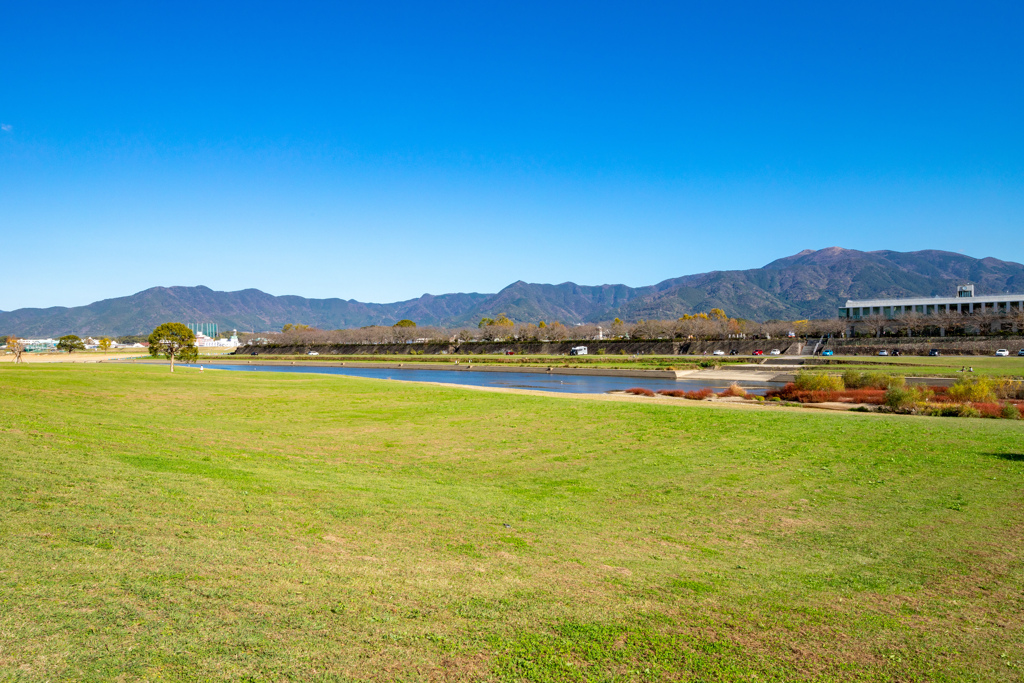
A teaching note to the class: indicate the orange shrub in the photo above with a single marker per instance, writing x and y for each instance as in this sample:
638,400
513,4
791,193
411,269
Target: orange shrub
734,390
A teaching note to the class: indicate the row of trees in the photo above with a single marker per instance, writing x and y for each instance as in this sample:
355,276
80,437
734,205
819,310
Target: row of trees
173,341
701,326
944,323
705,326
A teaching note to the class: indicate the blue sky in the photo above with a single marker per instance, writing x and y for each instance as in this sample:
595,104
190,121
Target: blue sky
383,150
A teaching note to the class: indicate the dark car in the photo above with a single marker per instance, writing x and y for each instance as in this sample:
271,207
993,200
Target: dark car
935,352
896,352
255,353
1021,352
733,352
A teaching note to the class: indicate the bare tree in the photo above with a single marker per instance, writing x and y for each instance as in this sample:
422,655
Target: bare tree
17,347
1016,319
948,322
909,321
876,323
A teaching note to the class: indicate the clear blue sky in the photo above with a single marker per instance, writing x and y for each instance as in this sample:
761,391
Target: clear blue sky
379,150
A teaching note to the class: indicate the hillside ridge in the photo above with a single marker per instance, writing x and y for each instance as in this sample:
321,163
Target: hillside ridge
808,284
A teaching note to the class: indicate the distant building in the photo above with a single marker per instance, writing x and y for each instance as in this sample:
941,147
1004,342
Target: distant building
39,344
966,302
208,329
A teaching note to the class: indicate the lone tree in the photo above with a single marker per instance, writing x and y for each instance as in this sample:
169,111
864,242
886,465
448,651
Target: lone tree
70,343
173,340
105,343
404,323
15,346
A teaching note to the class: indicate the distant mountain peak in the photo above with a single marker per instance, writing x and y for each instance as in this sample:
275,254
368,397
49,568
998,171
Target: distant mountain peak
809,284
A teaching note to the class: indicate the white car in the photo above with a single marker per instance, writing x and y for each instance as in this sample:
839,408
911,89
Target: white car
312,353
718,352
883,352
1002,352
775,352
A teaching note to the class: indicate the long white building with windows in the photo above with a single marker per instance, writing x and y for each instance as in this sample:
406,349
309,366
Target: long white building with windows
966,302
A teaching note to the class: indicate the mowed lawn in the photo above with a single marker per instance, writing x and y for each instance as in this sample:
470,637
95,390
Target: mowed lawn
226,526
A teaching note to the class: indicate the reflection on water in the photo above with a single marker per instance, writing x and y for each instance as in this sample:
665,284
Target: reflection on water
568,384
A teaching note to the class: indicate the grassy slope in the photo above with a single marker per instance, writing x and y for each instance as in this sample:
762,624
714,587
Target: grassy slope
925,366
221,525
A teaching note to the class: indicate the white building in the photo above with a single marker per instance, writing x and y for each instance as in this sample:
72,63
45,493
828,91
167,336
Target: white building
966,302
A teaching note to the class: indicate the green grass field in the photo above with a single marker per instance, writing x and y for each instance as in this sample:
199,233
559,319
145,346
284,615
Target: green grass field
927,366
227,526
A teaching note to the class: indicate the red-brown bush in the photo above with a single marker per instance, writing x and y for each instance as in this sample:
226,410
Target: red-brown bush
989,409
640,391
734,390
698,395
791,393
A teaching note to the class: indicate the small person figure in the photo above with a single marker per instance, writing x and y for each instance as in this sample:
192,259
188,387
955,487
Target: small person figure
971,369
200,368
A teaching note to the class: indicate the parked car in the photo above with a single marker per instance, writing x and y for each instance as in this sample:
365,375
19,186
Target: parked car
578,351
1021,352
1003,352
776,352
883,352
791,334
510,353
827,352
718,352
935,352
760,352
255,353
896,352
313,353
734,352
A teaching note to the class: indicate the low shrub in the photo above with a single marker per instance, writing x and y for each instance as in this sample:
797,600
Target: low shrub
973,390
698,395
872,396
807,381
1010,388
903,399
790,392
853,379
640,391
734,389
989,409
1011,412
946,409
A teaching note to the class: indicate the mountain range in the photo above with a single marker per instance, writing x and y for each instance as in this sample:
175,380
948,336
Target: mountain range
811,284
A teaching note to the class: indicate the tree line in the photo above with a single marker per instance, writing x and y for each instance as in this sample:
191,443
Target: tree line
701,326
944,323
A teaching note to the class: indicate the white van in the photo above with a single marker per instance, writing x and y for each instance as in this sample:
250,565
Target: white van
578,351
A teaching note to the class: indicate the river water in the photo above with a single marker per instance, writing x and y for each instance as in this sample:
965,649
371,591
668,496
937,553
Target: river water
566,384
